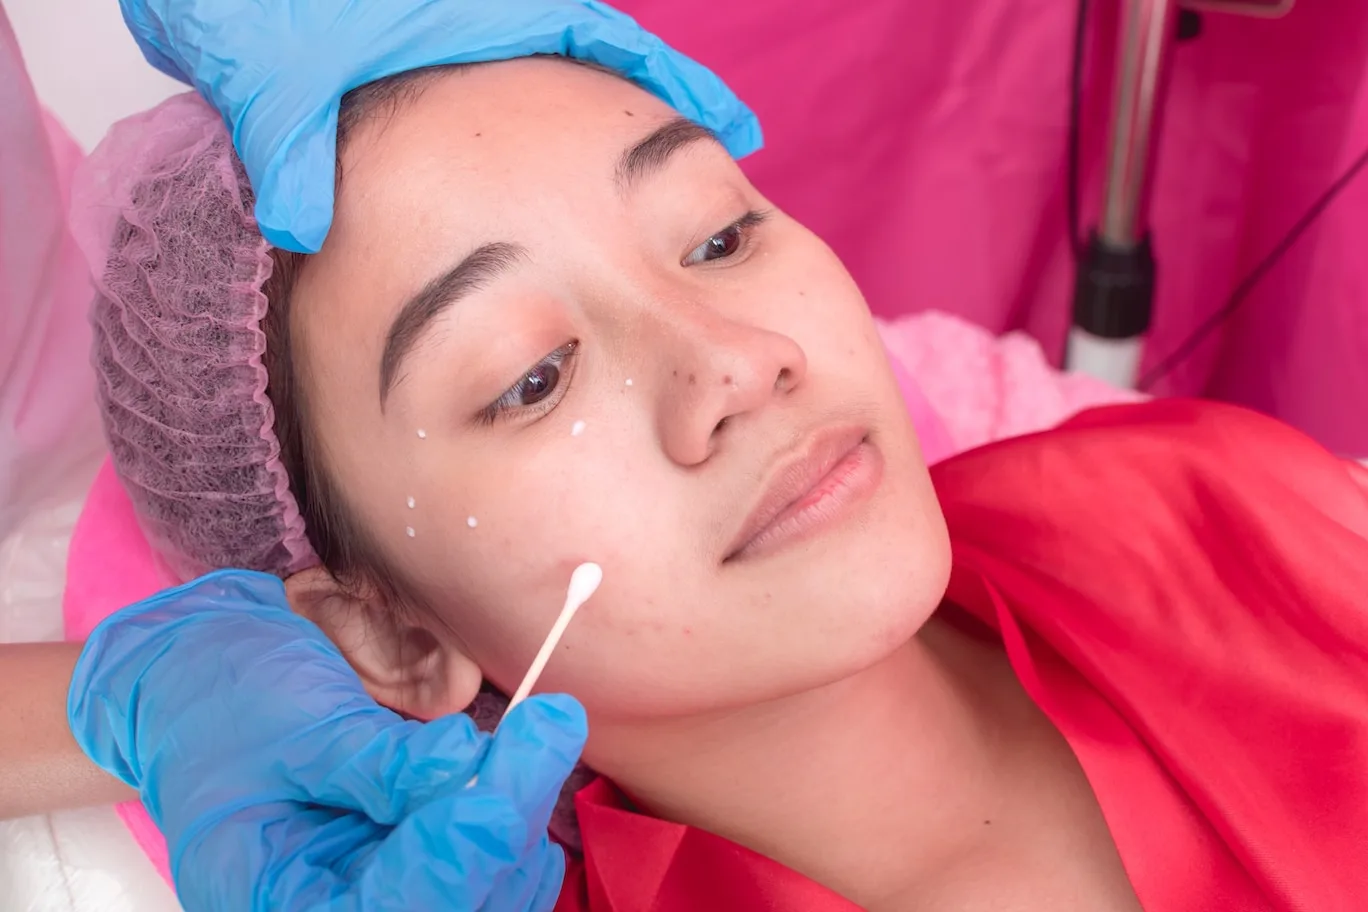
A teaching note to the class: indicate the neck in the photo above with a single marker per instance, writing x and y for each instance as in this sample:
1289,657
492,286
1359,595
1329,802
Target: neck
869,785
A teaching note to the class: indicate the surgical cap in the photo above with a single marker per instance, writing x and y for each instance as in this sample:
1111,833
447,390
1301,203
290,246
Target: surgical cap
163,212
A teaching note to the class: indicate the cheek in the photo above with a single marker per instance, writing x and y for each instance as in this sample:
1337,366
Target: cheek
501,585
818,303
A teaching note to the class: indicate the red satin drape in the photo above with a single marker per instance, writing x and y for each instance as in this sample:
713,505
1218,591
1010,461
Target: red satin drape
1183,588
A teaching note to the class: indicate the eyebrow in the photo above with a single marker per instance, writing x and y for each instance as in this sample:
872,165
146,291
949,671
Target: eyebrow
419,312
651,154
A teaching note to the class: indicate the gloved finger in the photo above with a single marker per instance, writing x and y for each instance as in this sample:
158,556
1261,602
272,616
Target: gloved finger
394,767
534,751
551,882
534,887
293,167
450,854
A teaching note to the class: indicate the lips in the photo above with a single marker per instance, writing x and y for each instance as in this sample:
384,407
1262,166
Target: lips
800,484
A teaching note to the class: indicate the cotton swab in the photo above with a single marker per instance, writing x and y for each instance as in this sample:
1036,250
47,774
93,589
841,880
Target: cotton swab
584,582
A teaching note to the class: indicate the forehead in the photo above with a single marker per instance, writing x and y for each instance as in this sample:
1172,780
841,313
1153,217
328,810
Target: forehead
499,125
521,150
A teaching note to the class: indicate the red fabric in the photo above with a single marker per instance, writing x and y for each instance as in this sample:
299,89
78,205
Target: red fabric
1183,588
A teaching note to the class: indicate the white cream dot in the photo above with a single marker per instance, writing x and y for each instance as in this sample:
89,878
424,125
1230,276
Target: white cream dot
472,521
629,381
577,428
412,503
408,530
422,434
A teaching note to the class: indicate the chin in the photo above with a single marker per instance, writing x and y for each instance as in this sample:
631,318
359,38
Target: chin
896,575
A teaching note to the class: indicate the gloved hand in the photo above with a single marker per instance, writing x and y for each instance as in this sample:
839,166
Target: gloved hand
280,785
277,70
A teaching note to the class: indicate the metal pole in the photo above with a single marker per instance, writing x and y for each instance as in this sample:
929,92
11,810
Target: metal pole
1114,293
1147,31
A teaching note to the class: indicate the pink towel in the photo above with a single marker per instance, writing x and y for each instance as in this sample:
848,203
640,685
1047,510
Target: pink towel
983,387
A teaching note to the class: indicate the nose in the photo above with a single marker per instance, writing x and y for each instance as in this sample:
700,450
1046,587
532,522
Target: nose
721,372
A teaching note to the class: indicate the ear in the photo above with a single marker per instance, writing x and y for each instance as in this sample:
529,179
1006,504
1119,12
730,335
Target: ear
401,662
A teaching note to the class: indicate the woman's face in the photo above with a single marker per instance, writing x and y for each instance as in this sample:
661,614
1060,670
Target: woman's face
564,324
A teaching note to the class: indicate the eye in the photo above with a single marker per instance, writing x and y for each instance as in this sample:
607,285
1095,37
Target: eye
719,246
538,383
540,388
727,242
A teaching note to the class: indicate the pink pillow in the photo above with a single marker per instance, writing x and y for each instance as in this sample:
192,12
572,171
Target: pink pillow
111,565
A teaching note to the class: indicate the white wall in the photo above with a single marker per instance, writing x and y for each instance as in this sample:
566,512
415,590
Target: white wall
84,63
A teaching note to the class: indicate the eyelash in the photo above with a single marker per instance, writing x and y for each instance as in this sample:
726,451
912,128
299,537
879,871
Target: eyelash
508,404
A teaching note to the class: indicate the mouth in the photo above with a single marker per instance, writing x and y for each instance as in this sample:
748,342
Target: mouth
811,491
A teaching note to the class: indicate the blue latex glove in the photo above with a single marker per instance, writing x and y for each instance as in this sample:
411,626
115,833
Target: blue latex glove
280,785
277,70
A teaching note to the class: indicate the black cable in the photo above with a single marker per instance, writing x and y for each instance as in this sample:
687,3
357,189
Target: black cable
1242,291
1075,130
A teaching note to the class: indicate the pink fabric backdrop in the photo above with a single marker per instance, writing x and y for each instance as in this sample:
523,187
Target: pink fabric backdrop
926,142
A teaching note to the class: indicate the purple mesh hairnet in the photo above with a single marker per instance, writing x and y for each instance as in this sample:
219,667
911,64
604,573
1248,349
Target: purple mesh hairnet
163,212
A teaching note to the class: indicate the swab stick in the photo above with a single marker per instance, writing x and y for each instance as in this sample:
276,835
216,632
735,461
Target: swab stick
584,582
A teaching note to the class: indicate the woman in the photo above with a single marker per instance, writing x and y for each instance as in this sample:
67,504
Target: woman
537,273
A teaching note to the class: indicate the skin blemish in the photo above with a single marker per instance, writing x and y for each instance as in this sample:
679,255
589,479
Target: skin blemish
692,379
478,135
409,531
472,521
628,113
422,434
577,428
726,381
412,503
629,381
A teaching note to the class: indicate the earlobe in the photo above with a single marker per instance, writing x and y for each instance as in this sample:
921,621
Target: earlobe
401,662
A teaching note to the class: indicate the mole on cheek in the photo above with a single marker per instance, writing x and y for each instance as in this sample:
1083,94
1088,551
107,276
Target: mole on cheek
692,379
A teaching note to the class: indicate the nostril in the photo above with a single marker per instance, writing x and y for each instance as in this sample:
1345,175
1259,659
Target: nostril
720,425
781,382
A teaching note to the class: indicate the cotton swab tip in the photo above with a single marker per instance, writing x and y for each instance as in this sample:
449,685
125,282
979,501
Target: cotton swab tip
584,582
